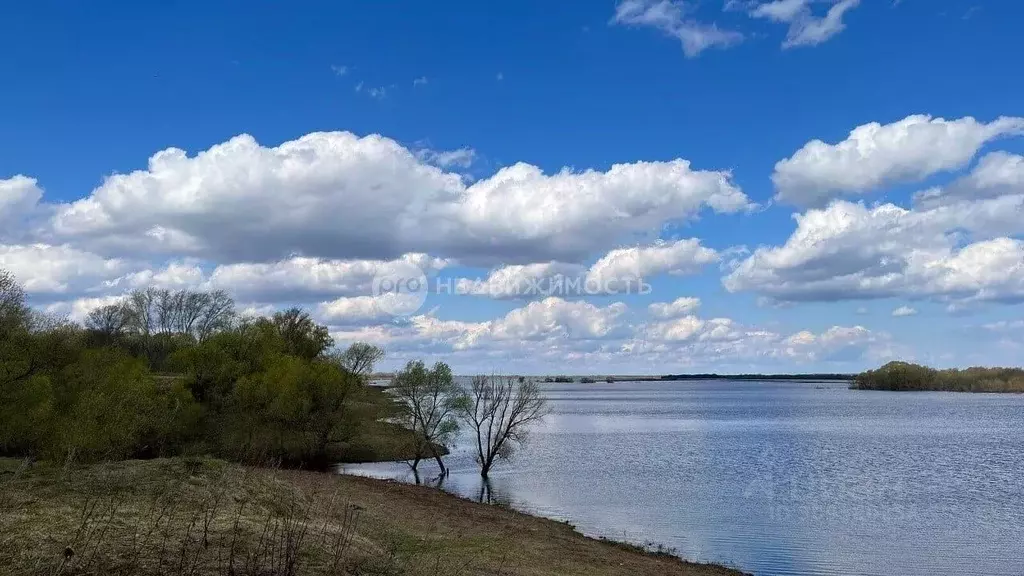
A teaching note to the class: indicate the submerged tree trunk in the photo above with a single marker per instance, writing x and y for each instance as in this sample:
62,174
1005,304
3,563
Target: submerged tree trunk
440,462
415,465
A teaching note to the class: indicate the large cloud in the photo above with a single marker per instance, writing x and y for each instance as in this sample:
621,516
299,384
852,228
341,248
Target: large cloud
50,270
559,335
335,195
623,270
366,310
698,341
624,265
302,279
47,269
959,242
997,174
19,200
78,309
874,155
313,221
551,320
849,251
17,195
522,280
837,344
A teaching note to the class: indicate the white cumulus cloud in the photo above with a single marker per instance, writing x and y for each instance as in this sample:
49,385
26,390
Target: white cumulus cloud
336,195
874,155
625,265
301,279
849,251
49,269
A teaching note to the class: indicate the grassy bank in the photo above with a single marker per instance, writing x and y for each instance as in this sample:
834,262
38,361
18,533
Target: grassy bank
907,377
202,517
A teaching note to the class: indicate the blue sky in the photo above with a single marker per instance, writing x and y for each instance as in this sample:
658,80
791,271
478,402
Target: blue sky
733,88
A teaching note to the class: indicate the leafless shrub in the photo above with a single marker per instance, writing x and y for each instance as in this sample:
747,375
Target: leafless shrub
500,411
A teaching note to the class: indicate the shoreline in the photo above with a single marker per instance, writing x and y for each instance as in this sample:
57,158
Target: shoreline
208,509
649,548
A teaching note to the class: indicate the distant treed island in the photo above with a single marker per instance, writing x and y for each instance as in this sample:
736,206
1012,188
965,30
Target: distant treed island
907,377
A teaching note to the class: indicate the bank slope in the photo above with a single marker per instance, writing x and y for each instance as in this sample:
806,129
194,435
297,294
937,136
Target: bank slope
203,517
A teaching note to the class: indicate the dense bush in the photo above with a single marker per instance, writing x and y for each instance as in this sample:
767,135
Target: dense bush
904,376
167,373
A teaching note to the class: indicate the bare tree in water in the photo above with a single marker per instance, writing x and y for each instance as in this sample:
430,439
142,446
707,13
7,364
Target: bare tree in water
500,410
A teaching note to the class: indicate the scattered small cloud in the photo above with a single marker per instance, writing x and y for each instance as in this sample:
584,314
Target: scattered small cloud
339,70
376,92
862,311
460,158
805,28
500,76
961,308
673,18
903,311
971,12
1005,325
422,80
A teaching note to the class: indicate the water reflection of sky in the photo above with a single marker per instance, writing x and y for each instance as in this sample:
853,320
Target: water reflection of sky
776,478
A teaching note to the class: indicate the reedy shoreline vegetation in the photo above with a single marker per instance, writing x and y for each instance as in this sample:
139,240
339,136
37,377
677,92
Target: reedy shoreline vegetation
907,377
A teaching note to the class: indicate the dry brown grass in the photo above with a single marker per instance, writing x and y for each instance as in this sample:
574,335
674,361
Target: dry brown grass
202,517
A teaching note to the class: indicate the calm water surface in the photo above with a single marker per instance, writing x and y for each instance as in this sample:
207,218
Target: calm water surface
775,478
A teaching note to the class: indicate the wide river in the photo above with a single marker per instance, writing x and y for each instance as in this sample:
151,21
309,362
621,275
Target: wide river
775,477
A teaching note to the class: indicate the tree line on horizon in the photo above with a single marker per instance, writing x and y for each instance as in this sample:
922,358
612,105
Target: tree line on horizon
167,373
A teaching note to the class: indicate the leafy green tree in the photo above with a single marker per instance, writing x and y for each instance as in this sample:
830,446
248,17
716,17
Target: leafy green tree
13,310
905,376
213,366
16,363
360,358
106,405
108,325
263,388
295,408
428,404
26,414
302,336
